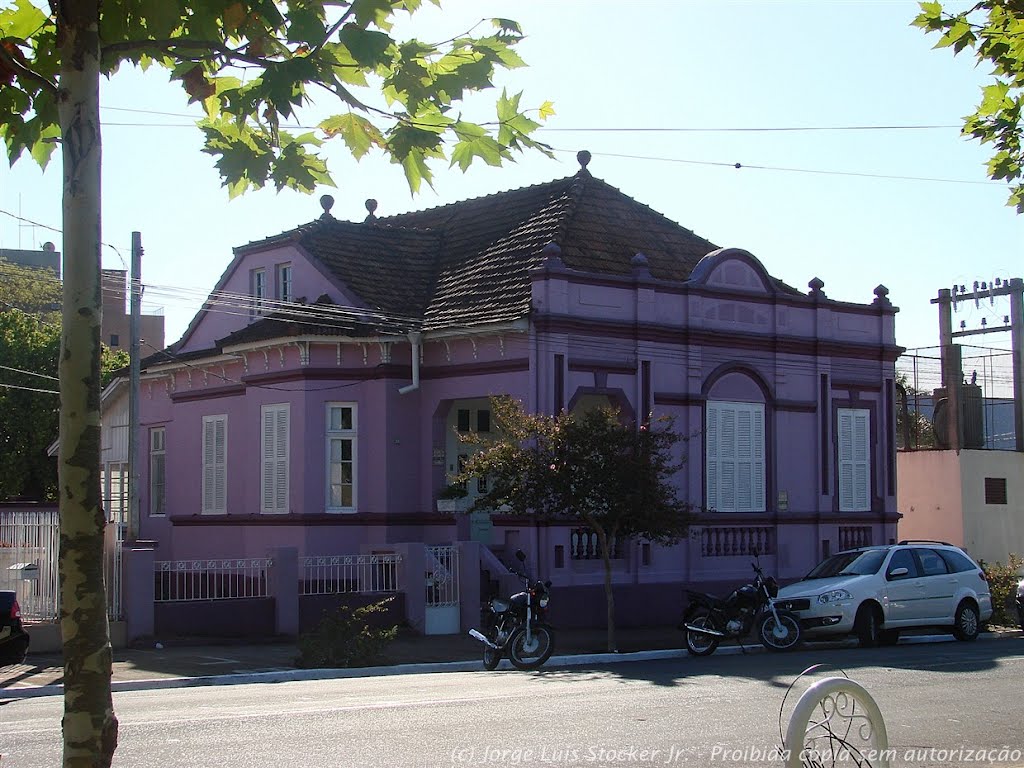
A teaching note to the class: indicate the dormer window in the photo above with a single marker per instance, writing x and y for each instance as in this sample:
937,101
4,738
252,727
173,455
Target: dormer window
284,282
258,282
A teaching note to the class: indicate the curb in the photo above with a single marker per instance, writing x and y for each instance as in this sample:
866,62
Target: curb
303,675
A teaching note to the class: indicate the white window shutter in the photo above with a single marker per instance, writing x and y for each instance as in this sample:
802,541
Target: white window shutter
274,459
214,492
735,457
711,440
854,460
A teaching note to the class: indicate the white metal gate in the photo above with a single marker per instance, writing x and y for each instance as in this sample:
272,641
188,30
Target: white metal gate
29,549
442,584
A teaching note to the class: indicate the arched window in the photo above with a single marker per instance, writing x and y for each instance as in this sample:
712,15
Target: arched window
734,445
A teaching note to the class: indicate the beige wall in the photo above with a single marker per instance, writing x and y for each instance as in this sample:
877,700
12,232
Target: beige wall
942,496
991,531
928,493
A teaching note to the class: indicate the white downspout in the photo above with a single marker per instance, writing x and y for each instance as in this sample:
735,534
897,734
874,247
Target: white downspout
414,340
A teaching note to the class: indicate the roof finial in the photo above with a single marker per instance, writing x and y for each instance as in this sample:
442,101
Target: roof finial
371,206
583,157
327,202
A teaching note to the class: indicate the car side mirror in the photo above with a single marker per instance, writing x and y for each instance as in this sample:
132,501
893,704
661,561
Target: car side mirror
520,556
896,573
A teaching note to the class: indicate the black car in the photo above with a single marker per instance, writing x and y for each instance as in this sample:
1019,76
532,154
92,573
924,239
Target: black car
13,637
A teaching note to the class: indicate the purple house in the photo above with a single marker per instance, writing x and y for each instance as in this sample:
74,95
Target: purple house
310,412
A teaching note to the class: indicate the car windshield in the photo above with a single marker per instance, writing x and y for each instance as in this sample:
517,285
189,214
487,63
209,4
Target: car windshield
849,564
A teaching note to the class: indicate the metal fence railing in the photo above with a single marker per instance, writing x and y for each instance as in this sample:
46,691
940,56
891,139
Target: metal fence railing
181,580
442,576
29,550
986,399
339,574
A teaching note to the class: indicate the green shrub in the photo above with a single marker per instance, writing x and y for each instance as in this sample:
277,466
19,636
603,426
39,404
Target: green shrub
344,638
1002,583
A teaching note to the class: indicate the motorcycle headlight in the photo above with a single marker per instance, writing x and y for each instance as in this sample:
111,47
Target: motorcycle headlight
833,596
544,601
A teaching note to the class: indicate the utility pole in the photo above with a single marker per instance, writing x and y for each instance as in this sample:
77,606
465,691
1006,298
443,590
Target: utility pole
133,389
951,366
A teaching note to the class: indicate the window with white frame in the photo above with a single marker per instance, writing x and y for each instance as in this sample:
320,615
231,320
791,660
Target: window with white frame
157,471
284,282
274,457
258,287
734,456
341,457
854,460
215,465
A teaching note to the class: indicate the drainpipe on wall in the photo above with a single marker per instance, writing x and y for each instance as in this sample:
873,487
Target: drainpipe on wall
414,339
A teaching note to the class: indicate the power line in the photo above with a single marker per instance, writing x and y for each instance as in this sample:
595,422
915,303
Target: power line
30,389
29,373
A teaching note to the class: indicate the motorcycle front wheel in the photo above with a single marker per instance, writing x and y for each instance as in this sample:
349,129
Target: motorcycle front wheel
783,635
697,643
492,657
531,655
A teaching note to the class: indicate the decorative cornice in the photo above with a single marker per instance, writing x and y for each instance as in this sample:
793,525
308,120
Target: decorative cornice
688,336
207,393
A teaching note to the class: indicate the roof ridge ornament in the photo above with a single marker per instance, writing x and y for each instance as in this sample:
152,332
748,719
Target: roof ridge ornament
371,208
583,158
326,202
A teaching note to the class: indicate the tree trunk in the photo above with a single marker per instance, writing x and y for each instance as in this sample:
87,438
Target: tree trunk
89,724
606,556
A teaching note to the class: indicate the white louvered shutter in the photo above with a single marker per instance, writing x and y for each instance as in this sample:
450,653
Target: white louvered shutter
735,457
215,430
274,480
854,460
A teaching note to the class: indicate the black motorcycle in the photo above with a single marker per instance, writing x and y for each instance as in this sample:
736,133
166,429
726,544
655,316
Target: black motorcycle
709,620
516,626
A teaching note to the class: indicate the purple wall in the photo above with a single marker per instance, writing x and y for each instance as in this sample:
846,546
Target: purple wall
727,334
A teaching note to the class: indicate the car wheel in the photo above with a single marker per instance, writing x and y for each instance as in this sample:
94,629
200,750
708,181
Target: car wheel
966,622
888,637
868,625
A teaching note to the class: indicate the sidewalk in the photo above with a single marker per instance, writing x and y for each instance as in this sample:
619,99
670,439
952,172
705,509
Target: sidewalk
232,660
205,658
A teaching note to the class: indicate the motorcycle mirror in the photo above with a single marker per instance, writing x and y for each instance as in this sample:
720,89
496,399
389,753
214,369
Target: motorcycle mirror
520,556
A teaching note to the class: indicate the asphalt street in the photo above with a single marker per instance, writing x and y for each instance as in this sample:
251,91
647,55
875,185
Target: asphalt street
941,702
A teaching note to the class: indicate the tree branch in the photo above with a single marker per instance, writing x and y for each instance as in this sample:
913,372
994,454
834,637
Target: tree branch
27,73
334,28
170,47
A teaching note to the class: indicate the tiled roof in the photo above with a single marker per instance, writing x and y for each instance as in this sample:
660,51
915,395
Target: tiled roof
469,262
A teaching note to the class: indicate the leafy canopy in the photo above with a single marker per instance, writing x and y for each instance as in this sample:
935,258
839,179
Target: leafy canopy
254,64
590,467
994,31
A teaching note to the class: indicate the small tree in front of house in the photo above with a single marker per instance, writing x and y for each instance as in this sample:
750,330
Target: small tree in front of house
594,469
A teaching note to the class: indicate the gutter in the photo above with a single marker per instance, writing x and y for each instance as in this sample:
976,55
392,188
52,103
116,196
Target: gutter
415,339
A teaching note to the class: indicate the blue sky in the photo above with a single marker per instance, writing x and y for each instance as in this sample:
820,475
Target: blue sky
640,65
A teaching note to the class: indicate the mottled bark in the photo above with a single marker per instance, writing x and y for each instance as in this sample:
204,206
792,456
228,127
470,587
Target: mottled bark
89,724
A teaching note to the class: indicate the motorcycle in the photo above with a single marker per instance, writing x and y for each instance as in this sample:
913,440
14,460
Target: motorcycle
516,625
709,620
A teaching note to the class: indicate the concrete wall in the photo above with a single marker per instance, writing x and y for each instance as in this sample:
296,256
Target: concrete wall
930,496
992,531
942,496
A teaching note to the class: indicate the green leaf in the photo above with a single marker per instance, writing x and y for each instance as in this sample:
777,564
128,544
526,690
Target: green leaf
417,171
21,21
474,142
358,133
42,150
368,48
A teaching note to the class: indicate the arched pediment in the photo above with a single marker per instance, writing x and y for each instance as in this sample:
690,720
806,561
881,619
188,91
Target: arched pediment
732,269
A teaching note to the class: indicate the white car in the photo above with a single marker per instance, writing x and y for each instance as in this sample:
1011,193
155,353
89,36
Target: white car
875,592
